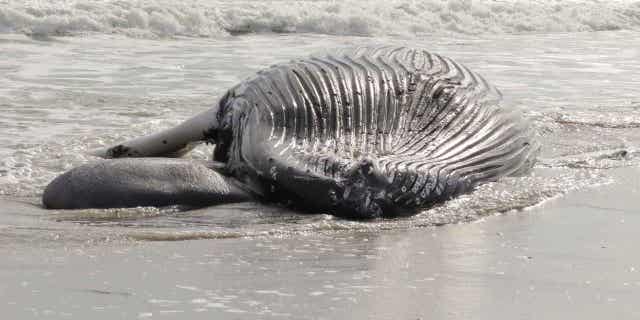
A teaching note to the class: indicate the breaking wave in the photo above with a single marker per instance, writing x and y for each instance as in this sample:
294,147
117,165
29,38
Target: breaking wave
201,18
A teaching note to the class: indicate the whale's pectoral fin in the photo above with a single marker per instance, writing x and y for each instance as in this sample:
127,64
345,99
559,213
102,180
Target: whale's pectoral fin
142,182
140,148
174,142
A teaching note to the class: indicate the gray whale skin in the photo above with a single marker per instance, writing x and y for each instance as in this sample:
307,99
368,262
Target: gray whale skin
358,133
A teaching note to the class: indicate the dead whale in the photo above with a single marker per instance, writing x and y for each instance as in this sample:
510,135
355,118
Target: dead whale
360,133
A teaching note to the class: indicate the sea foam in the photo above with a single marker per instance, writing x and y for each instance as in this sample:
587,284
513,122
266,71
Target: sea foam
200,18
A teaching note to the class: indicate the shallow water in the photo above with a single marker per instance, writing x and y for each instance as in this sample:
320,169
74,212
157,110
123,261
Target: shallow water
62,97
215,18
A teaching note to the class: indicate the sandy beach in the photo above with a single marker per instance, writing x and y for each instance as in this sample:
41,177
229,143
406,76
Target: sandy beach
570,257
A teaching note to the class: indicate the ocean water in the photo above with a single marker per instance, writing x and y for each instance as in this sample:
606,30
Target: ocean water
79,75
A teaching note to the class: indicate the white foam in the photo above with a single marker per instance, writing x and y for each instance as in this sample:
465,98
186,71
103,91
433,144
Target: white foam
200,18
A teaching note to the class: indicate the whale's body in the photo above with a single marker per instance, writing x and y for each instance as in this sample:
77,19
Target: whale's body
366,132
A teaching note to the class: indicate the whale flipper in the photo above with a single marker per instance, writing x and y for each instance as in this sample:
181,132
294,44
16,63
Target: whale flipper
142,182
172,143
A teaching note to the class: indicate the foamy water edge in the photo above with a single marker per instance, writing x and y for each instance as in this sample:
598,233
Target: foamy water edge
199,18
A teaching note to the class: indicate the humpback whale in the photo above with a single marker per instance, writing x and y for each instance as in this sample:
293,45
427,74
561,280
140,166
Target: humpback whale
359,133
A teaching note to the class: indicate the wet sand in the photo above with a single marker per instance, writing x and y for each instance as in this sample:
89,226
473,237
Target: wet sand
571,257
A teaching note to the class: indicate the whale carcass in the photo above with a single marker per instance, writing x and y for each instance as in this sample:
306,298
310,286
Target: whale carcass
364,132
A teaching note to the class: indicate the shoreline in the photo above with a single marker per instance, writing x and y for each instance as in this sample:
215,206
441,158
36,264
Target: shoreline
566,257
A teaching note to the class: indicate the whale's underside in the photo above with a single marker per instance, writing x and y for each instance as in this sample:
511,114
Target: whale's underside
367,132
